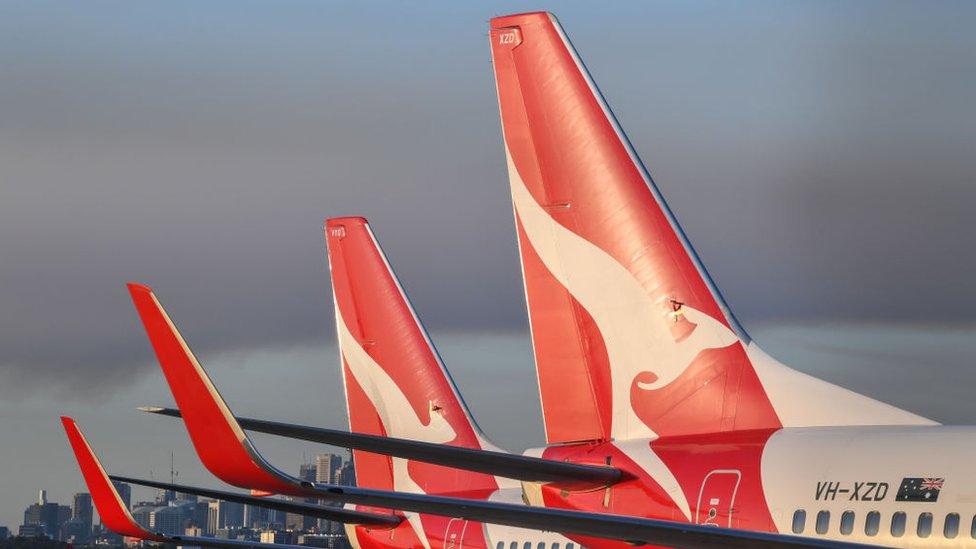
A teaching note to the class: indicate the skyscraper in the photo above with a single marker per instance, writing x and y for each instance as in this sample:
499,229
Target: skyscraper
306,471
141,513
347,475
327,470
294,521
224,515
81,509
327,467
46,517
168,520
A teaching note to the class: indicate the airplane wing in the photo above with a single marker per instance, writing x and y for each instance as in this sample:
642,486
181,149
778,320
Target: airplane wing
632,530
229,454
215,432
514,466
117,518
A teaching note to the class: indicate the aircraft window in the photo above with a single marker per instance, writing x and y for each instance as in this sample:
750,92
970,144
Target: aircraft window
847,523
924,529
799,521
501,545
873,523
527,545
823,522
898,524
951,528
569,546
513,545
554,546
541,545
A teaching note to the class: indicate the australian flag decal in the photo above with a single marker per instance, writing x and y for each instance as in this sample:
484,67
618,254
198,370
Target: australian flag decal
920,489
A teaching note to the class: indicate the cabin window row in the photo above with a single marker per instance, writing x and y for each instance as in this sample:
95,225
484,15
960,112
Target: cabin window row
528,545
872,524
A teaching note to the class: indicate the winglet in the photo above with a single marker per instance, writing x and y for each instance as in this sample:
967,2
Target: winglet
110,508
217,437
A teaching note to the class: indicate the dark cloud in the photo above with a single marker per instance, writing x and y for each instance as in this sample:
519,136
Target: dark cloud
820,157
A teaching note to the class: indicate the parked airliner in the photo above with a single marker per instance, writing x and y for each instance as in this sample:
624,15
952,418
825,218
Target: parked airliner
666,424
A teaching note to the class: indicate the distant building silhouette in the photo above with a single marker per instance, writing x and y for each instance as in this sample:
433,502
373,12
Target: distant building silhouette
347,475
125,492
81,510
32,531
327,468
306,472
45,518
224,515
168,520
141,512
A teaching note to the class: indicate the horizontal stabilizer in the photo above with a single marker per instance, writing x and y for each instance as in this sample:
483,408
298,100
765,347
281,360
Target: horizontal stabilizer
633,530
514,466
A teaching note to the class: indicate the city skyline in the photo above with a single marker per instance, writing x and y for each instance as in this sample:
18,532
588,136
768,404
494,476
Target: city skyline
178,514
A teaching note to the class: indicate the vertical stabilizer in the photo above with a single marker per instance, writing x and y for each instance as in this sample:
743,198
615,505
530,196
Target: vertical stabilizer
631,336
396,384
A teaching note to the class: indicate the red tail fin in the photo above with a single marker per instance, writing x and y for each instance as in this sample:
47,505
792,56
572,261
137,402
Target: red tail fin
631,336
396,384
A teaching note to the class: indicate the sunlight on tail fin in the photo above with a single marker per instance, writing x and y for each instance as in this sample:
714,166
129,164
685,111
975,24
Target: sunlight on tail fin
395,382
631,336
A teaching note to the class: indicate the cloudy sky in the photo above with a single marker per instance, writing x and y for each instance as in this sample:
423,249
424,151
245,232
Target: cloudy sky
819,155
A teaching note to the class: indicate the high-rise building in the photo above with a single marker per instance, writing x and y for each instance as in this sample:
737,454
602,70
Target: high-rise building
168,520
200,513
259,517
235,515
213,517
81,509
327,468
297,522
64,515
327,471
45,517
266,519
347,475
141,512
306,471
4,533
125,492
224,515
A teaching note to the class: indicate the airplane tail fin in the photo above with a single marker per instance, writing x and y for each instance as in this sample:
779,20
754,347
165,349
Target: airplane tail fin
631,336
395,382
